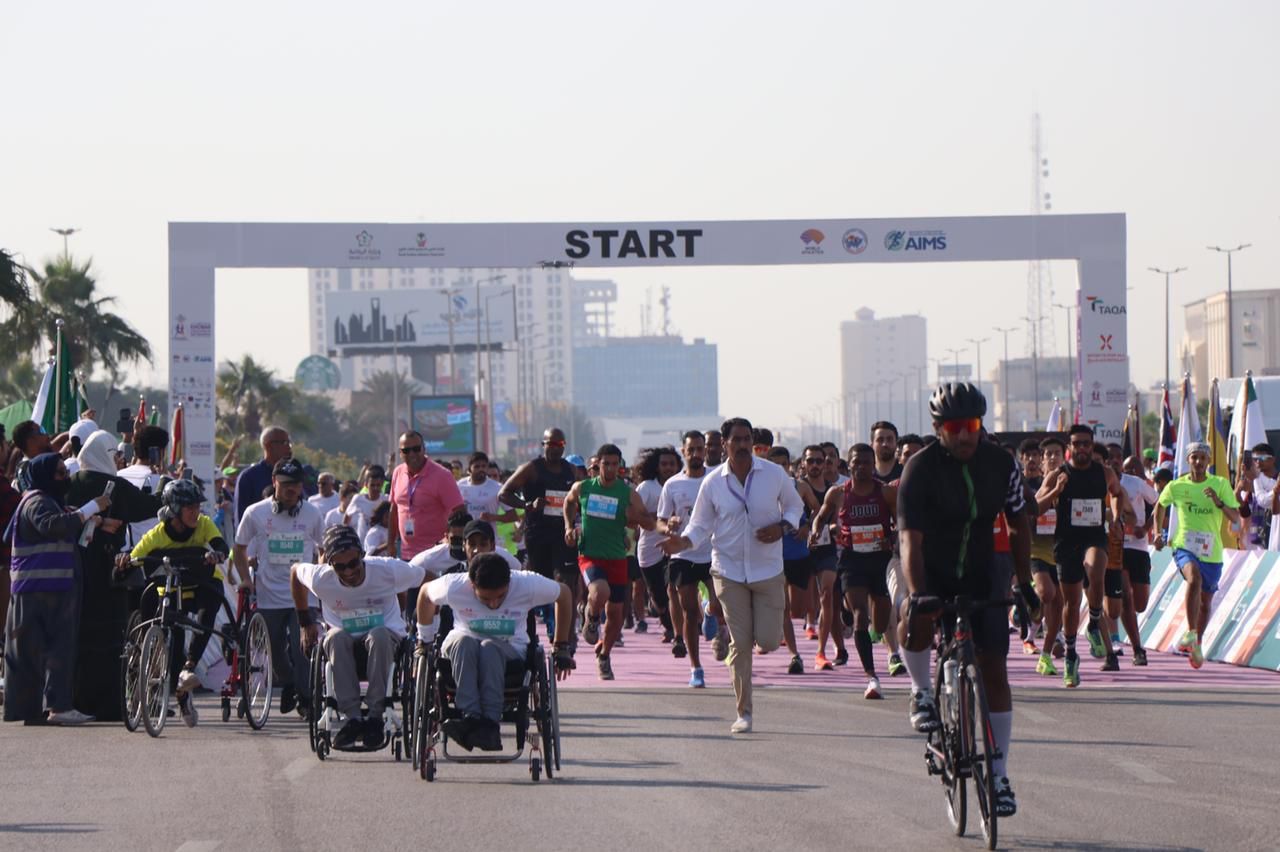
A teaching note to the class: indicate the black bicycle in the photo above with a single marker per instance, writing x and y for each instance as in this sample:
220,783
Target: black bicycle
962,747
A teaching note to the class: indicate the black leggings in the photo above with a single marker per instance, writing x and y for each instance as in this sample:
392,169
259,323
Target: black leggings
655,577
205,600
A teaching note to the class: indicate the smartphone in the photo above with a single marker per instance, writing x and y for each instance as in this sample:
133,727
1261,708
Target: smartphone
188,474
75,445
111,486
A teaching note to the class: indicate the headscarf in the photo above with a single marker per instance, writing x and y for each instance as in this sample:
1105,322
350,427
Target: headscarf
98,453
42,469
82,429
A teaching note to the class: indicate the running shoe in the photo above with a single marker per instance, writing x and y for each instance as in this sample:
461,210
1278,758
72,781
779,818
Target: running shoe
68,717
720,645
642,626
810,633
1006,804
697,680
1046,667
922,714
1071,676
897,668
875,635
822,664
1188,639
603,667
187,681
1197,655
591,630
709,626
678,650
628,622
742,725
1029,647
288,699
1059,647
187,708
873,688
1139,657
797,666
1097,648
842,657
668,635
619,643
1111,665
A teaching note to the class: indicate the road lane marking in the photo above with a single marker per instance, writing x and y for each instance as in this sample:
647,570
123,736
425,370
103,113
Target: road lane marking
1142,772
199,846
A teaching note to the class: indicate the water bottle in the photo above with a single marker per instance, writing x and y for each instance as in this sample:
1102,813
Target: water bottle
949,676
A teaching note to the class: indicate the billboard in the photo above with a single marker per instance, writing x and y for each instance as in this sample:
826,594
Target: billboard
447,423
418,318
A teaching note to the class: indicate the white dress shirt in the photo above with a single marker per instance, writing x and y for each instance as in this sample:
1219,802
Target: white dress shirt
729,513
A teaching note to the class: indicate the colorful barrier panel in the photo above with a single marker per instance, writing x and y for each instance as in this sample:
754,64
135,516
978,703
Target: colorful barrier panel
1244,624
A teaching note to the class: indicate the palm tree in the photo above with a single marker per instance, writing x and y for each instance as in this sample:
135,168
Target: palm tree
19,380
252,396
373,406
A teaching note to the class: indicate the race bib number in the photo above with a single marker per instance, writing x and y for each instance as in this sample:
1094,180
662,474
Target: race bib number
602,506
1199,543
866,539
495,627
555,503
284,549
358,621
1086,513
1047,523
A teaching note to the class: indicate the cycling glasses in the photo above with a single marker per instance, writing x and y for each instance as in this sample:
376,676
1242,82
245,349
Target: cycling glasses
963,424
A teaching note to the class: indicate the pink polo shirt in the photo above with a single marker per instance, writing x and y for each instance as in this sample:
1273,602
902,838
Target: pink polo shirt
423,503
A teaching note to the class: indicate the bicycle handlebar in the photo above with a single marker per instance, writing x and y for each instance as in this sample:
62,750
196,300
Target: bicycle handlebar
960,605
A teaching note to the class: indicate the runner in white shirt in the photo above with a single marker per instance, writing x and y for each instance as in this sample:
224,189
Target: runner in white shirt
377,535
480,493
338,514
464,542
359,597
276,533
327,500
1136,556
360,509
656,466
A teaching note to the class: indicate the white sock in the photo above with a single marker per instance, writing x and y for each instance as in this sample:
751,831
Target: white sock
919,666
1002,730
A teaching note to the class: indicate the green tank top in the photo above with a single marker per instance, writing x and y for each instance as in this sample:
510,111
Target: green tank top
604,518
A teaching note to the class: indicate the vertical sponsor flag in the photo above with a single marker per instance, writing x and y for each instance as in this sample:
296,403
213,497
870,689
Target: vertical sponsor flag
55,408
154,418
1138,445
1188,434
1217,440
1126,441
43,408
1168,434
177,437
1247,430
142,410
1055,422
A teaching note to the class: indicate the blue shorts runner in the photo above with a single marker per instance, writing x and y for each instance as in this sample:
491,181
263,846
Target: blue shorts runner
1210,572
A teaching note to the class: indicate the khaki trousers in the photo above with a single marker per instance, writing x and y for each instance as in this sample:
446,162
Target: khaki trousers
753,612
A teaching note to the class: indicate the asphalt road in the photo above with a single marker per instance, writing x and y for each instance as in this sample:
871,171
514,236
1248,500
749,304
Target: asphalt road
658,769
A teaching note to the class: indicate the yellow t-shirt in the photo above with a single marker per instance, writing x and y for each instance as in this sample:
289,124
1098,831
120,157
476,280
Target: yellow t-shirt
158,538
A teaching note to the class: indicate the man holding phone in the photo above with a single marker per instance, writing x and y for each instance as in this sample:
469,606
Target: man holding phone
147,471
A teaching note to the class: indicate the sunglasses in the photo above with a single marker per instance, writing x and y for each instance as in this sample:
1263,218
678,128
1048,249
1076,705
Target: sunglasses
344,567
404,451
963,424
553,443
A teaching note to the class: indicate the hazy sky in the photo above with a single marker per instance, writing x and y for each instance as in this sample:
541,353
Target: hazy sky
122,117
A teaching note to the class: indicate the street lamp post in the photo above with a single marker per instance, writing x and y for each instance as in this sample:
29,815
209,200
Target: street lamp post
1071,373
1004,373
1166,273
64,233
1231,351
955,353
395,373
977,345
922,374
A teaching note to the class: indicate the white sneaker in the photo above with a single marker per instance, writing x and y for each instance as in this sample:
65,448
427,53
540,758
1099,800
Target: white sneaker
187,681
742,726
873,688
69,717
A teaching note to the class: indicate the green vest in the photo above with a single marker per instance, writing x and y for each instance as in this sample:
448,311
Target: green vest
604,518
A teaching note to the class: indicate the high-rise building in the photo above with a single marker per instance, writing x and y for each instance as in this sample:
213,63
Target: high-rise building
1255,337
883,373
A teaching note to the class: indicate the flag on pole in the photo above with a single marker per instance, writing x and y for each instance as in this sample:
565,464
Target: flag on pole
1168,434
43,409
1217,435
55,409
1247,430
79,386
1188,428
154,419
1055,422
177,437
142,410
1126,442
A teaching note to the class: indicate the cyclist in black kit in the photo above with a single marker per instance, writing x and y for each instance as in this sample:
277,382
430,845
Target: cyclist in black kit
949,496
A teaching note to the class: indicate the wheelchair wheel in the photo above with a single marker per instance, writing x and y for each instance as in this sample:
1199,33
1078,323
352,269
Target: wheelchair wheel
541,714
553,708
405,685
413,733
255,671
154,671
317,702
130,675
226,709
535,770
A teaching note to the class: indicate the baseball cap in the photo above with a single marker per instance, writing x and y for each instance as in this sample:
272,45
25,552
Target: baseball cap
288,470
576,460
478,528
1149,453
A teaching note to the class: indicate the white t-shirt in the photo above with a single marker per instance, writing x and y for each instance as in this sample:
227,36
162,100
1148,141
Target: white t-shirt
647,550
376,537
334,517
360,512
324,504
372,604
480,498
678,496
509,622
437,560
1141,492
141,476
277,542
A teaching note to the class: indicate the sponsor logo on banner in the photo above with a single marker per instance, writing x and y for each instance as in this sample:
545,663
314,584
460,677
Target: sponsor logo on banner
1095,395
916,241
421,247
1099,396
1098,306
812,240
612,243
185,329
1103,432
364,250
854,241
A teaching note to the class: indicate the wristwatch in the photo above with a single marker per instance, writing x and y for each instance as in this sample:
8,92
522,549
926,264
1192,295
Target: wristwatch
787,529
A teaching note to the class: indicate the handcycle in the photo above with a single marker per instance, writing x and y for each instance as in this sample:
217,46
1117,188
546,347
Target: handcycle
152,644
325,717
962,747
529,695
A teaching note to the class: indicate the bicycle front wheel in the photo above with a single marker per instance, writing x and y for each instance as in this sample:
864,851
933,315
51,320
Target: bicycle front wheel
131,675
155,679
948,739
255,671
981,751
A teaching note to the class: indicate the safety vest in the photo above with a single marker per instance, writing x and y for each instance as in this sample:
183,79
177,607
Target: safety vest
43,566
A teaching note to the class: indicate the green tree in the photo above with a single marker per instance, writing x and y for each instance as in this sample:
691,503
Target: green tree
250,397
373,411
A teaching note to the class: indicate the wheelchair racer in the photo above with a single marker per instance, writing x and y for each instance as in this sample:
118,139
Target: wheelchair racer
183,525
358,595
491,605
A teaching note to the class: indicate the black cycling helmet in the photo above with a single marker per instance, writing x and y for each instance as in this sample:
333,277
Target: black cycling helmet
957,400
177,494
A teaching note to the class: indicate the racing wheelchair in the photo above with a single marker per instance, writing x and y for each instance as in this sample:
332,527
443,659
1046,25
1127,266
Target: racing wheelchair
529,696
153,647
326,719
